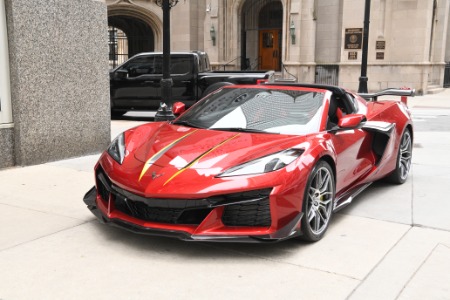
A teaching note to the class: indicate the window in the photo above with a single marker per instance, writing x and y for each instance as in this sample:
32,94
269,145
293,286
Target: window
271,111
153,65
118,47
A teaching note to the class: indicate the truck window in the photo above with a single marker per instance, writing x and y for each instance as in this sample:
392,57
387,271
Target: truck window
152,65
143,65
181,65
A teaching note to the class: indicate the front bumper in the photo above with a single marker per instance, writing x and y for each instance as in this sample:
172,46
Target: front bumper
290,230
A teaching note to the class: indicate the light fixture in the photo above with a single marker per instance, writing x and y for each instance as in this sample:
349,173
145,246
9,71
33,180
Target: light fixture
292,32
172,3
212,32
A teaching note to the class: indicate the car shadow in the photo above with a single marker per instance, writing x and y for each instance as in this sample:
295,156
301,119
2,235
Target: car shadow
199,250
196,250
365,195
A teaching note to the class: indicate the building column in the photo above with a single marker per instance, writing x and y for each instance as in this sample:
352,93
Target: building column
59,79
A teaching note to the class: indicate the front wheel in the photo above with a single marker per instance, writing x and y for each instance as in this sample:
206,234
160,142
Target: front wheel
404,157
318,202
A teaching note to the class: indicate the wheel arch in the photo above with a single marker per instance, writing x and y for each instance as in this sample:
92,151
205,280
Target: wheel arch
328,159
410,128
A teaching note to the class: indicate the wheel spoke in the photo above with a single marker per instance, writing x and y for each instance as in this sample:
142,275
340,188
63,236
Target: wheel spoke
324,215
318,179
311,214
317,221
325,183
324,203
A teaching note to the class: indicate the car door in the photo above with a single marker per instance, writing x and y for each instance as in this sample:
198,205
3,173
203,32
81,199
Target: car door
353,148
136,84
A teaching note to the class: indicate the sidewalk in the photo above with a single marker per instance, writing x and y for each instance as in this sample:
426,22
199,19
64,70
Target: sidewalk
393,242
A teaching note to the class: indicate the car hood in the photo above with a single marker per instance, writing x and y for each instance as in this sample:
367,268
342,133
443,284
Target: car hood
168,151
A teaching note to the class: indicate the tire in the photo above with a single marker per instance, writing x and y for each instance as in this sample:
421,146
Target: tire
318,202
404,156
215,86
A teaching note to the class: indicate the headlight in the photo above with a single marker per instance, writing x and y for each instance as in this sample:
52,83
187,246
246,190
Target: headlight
264,164
117,148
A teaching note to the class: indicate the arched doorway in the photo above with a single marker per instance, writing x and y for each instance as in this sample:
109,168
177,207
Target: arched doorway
127,37
261,34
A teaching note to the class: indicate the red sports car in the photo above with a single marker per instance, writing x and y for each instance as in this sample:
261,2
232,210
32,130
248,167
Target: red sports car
253,163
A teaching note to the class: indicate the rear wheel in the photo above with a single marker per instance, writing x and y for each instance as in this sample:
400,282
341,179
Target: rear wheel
404,158
318,202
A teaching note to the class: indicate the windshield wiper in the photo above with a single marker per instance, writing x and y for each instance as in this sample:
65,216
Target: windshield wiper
240,129
186,123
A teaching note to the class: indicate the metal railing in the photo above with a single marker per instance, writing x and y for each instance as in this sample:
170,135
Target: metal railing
447,75
327,74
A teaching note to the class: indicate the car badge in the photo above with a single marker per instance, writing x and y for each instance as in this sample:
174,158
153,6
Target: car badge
154,175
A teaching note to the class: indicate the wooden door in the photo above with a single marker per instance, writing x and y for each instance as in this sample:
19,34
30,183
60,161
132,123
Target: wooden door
269,50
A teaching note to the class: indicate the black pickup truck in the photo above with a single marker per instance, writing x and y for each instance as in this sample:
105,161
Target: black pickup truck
135,85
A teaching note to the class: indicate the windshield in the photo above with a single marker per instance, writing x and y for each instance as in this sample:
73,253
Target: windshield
258,110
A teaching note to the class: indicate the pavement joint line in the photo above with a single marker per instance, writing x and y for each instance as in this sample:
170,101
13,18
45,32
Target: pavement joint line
374,218
44,236
40,211
390,221
379,262
412,194
284,262
419,267
429,227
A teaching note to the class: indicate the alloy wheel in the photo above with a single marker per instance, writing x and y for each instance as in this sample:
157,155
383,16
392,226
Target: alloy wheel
320,200
405,155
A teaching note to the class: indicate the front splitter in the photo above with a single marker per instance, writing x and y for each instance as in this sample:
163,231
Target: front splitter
291,230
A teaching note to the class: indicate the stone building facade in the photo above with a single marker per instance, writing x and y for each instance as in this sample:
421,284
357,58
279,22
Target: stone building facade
306,40
54,84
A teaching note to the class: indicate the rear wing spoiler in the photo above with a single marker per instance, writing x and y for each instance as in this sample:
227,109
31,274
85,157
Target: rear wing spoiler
388,92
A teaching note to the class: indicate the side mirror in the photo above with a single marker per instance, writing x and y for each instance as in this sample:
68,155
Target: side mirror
178,108
351,121
121,74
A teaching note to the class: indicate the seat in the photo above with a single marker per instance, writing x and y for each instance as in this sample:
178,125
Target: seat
334,113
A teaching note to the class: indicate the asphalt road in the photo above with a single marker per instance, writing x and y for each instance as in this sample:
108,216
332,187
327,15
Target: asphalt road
426,119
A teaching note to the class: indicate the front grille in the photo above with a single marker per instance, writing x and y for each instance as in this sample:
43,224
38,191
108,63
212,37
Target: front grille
169,211
143,211
256,213
249,208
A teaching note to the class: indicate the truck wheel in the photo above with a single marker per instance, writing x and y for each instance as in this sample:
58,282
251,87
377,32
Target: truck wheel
215,86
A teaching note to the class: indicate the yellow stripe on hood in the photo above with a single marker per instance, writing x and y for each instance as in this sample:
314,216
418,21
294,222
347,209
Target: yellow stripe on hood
161,152
198,158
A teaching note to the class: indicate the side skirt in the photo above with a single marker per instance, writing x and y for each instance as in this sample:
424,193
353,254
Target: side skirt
348,197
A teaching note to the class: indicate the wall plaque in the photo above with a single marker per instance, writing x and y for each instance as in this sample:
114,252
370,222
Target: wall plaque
353,38
381,45
352,55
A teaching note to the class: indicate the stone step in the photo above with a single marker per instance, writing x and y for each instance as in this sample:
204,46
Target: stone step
434,89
